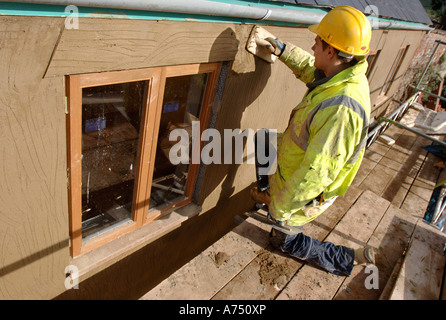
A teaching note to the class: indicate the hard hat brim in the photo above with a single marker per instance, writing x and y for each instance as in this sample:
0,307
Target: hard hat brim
313,28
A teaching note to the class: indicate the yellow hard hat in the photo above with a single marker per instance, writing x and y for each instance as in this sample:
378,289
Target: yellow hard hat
346,29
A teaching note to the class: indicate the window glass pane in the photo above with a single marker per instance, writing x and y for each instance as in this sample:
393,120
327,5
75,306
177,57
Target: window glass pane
111,116
182,104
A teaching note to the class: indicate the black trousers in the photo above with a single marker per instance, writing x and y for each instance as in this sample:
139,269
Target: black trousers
262,149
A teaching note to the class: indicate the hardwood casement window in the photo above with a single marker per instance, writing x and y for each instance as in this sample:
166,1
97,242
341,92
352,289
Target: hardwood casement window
118,125
394,70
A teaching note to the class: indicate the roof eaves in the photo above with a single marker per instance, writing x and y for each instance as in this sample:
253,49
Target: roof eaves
406,10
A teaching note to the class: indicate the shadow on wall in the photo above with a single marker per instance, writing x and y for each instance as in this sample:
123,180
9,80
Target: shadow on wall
246,79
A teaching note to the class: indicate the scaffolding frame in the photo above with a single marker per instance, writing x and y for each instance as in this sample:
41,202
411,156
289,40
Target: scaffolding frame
383,123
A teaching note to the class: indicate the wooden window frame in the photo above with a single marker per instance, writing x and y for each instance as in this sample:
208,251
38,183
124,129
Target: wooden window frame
151,115
183,70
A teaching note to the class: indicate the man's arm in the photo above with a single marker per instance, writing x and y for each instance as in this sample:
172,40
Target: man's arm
298,60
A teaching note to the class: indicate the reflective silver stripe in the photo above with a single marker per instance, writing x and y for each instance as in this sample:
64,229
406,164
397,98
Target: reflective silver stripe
299,141
304,135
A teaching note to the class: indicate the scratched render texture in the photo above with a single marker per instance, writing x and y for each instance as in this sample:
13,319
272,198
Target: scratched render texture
37,52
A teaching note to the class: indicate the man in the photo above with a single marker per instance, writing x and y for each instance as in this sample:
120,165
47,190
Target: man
320,152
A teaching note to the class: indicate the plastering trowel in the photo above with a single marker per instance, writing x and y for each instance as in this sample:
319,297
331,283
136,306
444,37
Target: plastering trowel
257,45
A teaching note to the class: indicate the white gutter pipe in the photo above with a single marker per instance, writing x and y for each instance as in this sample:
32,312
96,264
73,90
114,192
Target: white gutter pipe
383,24
200,7
210,8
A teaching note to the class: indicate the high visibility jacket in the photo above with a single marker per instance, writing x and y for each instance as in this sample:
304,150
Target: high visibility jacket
321,150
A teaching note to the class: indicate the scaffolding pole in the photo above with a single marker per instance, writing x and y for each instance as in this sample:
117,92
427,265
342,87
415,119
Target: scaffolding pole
384,119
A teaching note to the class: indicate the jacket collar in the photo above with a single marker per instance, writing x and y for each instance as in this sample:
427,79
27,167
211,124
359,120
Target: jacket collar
348,75
319,79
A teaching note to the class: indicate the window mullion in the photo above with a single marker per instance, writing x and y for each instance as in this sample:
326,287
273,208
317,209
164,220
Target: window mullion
148,143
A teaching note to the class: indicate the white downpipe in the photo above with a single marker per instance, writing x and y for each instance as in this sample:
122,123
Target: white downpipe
210,8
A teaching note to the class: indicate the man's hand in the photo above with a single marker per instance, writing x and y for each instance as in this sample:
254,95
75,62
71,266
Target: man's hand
260,197
276,46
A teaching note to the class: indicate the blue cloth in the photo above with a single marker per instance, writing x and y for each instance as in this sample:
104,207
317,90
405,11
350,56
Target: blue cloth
325,255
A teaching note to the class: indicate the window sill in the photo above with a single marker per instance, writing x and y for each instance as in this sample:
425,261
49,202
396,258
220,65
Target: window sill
98,259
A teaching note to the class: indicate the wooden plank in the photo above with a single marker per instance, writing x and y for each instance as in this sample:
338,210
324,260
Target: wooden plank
409,165
354,230
389,240
366,167
394,132
429,173
391,163
389,178
120,44
421,274
323,225
266,275
262,279
415,205
387,291
402,147
378,179
376,151
207,273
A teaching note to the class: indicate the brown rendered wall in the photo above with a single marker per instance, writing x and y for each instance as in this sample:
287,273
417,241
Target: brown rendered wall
389,42
36,53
